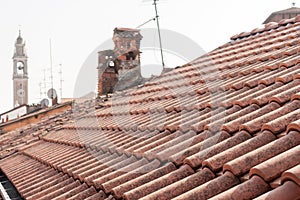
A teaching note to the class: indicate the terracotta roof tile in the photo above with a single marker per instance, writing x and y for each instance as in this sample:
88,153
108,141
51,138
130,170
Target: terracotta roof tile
109,185
99,196
159,183
113,173
211,188
73,192
273,167
196,159
256,124
35,189
77,165
247,190
212,122
218,120
184,140
275,183
48,184
234,125
280,124
85,194
90,170
146,178
289,190
292,174
286,95
109,169
294,126
244,163
178,157
264,98
28,184
216,162
53,189
243,99
182,186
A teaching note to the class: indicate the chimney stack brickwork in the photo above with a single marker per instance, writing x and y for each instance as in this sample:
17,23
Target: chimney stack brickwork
107,76
119,69
283,14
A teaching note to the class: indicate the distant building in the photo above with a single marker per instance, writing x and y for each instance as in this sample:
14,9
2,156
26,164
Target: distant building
20,73
283,14
120,68
14,113
19,111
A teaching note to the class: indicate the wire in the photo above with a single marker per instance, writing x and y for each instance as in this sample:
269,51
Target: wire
146,22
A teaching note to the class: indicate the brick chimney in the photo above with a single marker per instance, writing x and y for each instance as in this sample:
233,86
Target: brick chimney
283,14
120,68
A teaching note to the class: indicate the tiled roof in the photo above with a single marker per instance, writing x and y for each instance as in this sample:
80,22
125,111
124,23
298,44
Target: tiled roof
226,126
27,131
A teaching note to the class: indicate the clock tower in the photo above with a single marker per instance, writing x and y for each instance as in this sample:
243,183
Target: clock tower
20,73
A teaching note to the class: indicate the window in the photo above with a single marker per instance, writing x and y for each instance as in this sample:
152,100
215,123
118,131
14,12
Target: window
130,56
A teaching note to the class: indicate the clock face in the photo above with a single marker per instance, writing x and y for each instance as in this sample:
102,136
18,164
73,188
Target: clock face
21,93
20,67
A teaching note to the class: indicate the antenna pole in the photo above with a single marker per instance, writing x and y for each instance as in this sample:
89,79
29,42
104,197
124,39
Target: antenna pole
44,84
61,81
51,76
160,43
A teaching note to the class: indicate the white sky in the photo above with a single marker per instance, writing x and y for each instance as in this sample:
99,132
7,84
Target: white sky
77,27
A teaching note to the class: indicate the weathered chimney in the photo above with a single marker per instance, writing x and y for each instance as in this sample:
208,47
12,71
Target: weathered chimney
120,68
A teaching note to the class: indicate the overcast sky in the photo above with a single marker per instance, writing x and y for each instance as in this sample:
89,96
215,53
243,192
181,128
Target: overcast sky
78,27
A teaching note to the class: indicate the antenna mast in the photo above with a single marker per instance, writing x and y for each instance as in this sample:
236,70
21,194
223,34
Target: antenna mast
51,76
160,43
41,92
61,81
44,82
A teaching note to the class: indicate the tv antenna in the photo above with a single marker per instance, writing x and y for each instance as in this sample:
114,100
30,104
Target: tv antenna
41,90
51,73
159,36
44,82
158,29
61,80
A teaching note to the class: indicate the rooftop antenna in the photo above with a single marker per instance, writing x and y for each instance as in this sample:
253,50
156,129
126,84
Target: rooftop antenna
51,76
159,36
61,80
41,90
44,81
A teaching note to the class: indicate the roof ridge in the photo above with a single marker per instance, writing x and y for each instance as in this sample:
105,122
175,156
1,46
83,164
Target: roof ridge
269,26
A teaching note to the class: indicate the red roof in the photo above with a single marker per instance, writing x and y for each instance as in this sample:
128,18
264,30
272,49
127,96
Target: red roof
226,126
